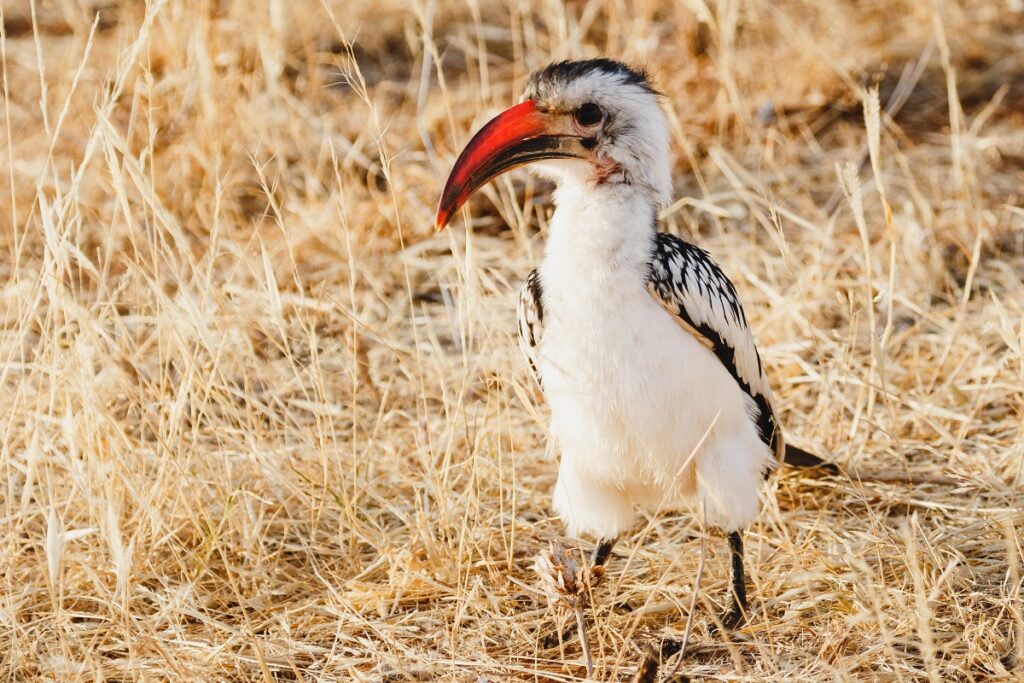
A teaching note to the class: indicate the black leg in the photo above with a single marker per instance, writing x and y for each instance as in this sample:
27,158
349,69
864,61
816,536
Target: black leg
738,611
602,552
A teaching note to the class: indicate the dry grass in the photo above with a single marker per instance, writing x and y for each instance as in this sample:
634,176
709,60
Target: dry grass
259,422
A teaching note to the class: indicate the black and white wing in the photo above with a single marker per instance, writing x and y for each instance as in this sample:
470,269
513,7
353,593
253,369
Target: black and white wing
692,287
530,316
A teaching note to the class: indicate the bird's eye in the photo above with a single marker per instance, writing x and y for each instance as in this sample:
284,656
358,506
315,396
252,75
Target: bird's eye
588,114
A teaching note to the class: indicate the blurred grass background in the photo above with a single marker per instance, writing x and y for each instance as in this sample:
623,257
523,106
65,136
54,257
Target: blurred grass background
261,422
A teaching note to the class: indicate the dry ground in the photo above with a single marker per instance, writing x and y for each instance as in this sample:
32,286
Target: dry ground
260,422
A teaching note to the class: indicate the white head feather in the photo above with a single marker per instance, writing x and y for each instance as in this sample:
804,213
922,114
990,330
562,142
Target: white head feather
631,144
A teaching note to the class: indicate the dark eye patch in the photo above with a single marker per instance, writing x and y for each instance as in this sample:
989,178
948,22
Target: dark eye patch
588,114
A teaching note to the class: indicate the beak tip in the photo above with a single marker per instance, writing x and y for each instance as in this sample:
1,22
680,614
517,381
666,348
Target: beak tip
441,221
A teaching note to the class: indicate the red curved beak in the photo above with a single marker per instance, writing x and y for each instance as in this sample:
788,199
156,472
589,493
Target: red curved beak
514,137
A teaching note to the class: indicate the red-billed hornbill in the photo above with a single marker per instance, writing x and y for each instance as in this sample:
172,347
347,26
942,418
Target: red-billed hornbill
638,338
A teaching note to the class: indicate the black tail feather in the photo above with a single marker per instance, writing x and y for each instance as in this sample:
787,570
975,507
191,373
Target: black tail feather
799,458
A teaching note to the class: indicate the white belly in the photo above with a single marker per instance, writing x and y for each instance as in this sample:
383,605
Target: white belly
643,412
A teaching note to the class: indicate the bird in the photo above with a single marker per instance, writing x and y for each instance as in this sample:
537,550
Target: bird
638,339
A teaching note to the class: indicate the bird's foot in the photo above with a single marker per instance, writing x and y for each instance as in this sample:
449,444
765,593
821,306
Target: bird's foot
554,638
670,647
731,620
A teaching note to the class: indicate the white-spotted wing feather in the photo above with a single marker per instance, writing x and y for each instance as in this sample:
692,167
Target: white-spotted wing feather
690,285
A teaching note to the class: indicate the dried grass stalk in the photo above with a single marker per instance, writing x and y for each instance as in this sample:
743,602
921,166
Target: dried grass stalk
569,587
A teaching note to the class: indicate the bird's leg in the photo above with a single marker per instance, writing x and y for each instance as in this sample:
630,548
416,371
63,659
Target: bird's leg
602,552
735,616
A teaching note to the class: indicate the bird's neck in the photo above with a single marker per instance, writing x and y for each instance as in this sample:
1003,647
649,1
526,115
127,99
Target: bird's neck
601,231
